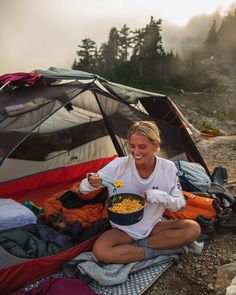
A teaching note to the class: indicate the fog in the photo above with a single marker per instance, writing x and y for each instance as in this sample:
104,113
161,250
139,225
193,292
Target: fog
40,34
184,39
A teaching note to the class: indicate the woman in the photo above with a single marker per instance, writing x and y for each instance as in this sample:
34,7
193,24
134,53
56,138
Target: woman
146,174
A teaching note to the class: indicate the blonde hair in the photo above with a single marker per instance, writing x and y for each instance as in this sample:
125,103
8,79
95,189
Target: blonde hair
148,129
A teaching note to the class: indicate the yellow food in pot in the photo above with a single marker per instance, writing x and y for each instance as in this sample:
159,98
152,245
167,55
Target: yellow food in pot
126,206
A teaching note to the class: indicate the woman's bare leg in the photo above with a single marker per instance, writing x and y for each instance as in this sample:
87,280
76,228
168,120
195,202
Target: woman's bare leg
171,234
115,246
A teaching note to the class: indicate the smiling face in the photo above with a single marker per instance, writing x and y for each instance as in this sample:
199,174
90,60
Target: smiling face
142,149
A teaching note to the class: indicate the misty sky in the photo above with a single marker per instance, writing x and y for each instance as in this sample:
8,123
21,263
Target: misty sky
37,34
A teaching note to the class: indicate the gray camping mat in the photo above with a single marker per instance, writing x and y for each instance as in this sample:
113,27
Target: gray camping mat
136,284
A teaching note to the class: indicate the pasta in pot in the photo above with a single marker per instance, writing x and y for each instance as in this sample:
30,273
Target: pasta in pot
126,205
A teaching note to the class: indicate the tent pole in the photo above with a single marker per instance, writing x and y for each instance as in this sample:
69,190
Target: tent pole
108,124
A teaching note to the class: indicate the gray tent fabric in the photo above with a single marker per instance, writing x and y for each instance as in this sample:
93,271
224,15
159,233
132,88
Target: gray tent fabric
7,259
56,73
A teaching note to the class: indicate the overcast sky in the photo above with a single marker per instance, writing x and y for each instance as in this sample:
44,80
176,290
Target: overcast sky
37,34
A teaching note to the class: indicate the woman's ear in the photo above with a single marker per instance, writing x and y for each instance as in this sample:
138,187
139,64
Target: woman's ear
157,148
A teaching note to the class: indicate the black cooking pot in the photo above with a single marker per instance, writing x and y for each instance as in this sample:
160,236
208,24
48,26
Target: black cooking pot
124,218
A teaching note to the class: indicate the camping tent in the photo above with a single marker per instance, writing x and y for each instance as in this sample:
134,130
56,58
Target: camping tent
79,117
57,125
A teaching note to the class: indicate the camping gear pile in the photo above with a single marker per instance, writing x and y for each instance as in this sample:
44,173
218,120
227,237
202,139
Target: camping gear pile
208,201
55,127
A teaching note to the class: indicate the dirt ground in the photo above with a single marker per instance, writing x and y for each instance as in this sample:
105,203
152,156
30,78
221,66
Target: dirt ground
197,274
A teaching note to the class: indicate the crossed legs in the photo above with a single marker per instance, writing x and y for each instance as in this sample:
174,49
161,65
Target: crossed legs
115,246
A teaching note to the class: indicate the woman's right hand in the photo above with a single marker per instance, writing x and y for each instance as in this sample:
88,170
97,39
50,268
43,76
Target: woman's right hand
95,180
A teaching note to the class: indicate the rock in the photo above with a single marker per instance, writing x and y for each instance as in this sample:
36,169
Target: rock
231,290
180,267
225,274
210,287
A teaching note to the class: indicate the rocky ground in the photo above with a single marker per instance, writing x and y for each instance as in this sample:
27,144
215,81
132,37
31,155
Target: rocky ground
204,273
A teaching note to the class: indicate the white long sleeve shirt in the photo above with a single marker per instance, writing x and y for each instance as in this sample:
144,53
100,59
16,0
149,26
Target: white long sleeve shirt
162,188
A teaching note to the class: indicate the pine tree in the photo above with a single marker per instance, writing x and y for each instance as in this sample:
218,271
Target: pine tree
153,39
137,58
125,42
109,54
151,53
87,55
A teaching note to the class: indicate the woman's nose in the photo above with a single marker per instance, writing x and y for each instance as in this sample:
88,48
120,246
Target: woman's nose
136,150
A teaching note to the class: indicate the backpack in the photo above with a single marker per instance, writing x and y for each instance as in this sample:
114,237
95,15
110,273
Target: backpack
193,176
